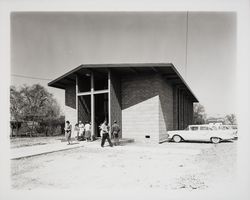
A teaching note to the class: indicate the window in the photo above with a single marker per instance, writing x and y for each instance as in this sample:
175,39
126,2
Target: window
204,128
84,83
100,81
194,128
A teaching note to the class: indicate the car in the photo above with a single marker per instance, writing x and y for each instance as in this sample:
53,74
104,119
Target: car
200,133
232,128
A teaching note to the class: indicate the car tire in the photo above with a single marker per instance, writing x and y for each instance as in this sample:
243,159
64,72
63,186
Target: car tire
215,140
177,138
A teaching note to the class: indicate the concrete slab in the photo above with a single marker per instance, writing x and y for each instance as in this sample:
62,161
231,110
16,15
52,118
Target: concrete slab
22,152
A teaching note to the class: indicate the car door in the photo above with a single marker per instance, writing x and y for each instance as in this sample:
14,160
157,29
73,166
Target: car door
204,133
191,134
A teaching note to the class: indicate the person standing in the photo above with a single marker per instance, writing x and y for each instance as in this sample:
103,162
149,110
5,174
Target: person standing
105,134
68,129
115,129
87,129
81,130
76,131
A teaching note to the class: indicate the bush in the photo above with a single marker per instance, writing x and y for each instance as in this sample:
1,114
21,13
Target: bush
46,127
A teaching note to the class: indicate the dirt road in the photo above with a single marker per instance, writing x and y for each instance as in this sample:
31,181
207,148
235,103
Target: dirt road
169,166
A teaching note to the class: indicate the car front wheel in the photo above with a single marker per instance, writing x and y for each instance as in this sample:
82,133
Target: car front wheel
177,138
215,140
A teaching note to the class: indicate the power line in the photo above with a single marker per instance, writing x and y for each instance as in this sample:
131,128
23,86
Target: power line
31,77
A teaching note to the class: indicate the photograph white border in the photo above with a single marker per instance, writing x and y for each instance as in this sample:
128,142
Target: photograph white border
241,190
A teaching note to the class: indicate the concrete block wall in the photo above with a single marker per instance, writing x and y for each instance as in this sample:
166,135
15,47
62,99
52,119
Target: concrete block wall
166,108
140,107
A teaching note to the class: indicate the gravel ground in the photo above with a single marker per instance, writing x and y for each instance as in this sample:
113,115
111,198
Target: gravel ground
169,166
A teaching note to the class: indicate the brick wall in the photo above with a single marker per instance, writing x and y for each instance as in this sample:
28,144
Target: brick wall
175,108
115,98
143,104
70,104
182,109
140,107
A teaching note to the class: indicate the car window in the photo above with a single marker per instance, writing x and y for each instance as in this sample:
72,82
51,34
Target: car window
202,128
194,128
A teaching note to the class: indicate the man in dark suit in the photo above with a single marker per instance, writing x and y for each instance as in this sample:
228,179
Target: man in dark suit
115,129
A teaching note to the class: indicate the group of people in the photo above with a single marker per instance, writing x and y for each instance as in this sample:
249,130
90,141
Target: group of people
83,132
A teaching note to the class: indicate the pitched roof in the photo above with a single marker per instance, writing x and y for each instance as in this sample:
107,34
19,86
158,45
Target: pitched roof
167,70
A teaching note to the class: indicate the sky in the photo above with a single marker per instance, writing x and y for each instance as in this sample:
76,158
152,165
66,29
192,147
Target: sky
201,45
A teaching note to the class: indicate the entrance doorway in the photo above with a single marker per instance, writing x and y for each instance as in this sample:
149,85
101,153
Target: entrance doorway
92,91
101,111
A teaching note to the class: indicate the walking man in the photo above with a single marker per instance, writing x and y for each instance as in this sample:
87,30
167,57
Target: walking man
115,129
105,134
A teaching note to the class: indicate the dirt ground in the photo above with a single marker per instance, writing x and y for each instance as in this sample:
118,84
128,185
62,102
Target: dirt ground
31,141
168,166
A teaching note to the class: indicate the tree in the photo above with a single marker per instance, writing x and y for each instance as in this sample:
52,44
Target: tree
230,119
199,115
34,104
16,108
16,104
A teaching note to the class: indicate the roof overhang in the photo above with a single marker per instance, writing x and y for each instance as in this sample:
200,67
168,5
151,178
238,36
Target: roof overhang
167,71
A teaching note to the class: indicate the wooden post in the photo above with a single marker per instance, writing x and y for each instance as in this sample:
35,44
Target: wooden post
77,107
92,105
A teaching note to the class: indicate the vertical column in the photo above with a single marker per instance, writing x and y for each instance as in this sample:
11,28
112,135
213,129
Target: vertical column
77,107
175,108
178,110
183,113
109,99
92,103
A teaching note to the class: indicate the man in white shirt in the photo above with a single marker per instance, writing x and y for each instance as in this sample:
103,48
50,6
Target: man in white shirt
105,134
